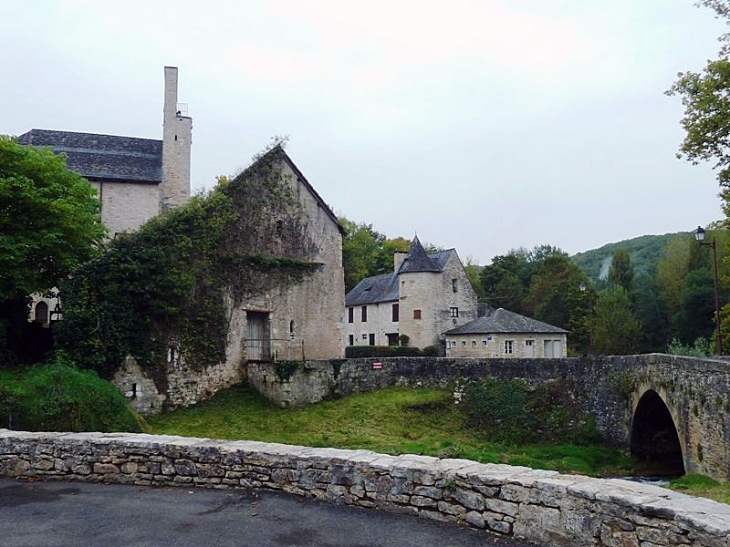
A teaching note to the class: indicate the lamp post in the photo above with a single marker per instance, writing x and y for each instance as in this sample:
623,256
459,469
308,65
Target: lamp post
700,237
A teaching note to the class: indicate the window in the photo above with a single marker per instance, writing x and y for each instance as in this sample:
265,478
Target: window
291,329
350,315
463,343
396,313
454,285
484,343
508,347
372,339
364,314
454,312
448,344
416,314
473,343
392,338
352,340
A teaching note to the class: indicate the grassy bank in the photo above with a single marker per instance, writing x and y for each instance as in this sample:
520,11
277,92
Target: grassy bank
392,421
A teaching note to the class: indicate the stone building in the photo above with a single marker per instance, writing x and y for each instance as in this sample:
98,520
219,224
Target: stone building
135,178
425,295
505,334
270,320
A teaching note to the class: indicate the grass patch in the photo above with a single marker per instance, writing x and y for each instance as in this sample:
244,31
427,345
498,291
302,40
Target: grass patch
700,485
56,396
395,420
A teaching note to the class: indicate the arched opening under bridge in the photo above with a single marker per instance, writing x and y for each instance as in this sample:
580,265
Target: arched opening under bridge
654,438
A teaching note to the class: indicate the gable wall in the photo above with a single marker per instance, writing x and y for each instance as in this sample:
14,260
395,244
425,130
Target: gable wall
125,206
465,299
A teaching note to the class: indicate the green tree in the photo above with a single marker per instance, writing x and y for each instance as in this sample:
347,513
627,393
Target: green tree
361,246
652,313
615,329
697,307
706,100
621,272
49,225
672,271
473,270
49,219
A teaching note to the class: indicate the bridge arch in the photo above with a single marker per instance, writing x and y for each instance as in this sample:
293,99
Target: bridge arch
655,437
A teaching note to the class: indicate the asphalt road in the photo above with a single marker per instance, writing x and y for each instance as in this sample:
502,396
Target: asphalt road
61,514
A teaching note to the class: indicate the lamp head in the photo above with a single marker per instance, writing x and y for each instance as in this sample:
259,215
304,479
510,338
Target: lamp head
700,234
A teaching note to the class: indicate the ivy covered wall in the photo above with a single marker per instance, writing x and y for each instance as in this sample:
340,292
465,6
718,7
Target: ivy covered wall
175,294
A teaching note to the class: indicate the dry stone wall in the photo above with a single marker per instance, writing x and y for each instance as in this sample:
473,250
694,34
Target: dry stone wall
539,506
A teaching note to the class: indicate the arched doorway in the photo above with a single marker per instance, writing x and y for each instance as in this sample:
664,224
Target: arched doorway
41,312
654,438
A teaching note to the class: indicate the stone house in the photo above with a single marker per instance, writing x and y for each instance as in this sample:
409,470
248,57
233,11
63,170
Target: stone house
271,320
425,295
135,178
505,334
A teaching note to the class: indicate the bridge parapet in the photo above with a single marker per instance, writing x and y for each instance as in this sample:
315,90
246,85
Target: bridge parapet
543,507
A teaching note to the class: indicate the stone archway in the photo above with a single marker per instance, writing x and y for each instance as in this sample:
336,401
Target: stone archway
654,437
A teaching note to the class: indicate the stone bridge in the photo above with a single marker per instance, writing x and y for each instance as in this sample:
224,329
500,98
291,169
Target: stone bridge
667,409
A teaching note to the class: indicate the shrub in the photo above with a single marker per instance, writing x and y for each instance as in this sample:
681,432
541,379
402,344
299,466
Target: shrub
700,348
59,397
510,412
356,352
499,409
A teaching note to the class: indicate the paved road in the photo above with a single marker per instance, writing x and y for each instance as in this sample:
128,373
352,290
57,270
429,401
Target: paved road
61,514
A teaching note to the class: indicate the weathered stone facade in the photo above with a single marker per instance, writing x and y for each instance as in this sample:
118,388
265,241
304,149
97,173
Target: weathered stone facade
616,390
543,507
296,320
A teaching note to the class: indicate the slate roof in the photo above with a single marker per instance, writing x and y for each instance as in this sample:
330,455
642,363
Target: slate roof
502,321
379,288
103,157
417,260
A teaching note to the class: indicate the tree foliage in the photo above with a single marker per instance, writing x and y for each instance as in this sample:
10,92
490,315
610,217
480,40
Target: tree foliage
366,252
49,219
615,329
621,272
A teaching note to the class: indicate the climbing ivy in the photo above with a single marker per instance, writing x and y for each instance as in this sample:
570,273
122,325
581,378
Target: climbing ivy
163,292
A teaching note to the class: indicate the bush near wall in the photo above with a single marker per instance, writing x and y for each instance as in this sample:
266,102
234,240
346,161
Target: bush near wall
58,397
359,352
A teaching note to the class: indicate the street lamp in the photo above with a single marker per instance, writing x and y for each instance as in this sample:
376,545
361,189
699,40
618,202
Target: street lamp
700,237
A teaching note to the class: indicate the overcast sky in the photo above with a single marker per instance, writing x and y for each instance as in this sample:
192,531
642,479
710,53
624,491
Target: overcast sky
483,125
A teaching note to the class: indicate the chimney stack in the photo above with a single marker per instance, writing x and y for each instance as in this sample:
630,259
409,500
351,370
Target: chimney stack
177,128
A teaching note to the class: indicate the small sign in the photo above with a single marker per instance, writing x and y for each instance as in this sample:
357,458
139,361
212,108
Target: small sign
377,365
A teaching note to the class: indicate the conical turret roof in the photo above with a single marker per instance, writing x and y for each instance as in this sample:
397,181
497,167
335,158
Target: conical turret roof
417,260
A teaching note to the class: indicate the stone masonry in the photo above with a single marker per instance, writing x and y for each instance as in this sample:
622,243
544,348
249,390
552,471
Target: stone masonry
543,507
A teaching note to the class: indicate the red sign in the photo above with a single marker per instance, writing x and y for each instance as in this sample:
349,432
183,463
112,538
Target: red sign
377,366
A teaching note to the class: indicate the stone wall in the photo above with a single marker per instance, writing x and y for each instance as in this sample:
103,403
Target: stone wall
538,506
125,206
